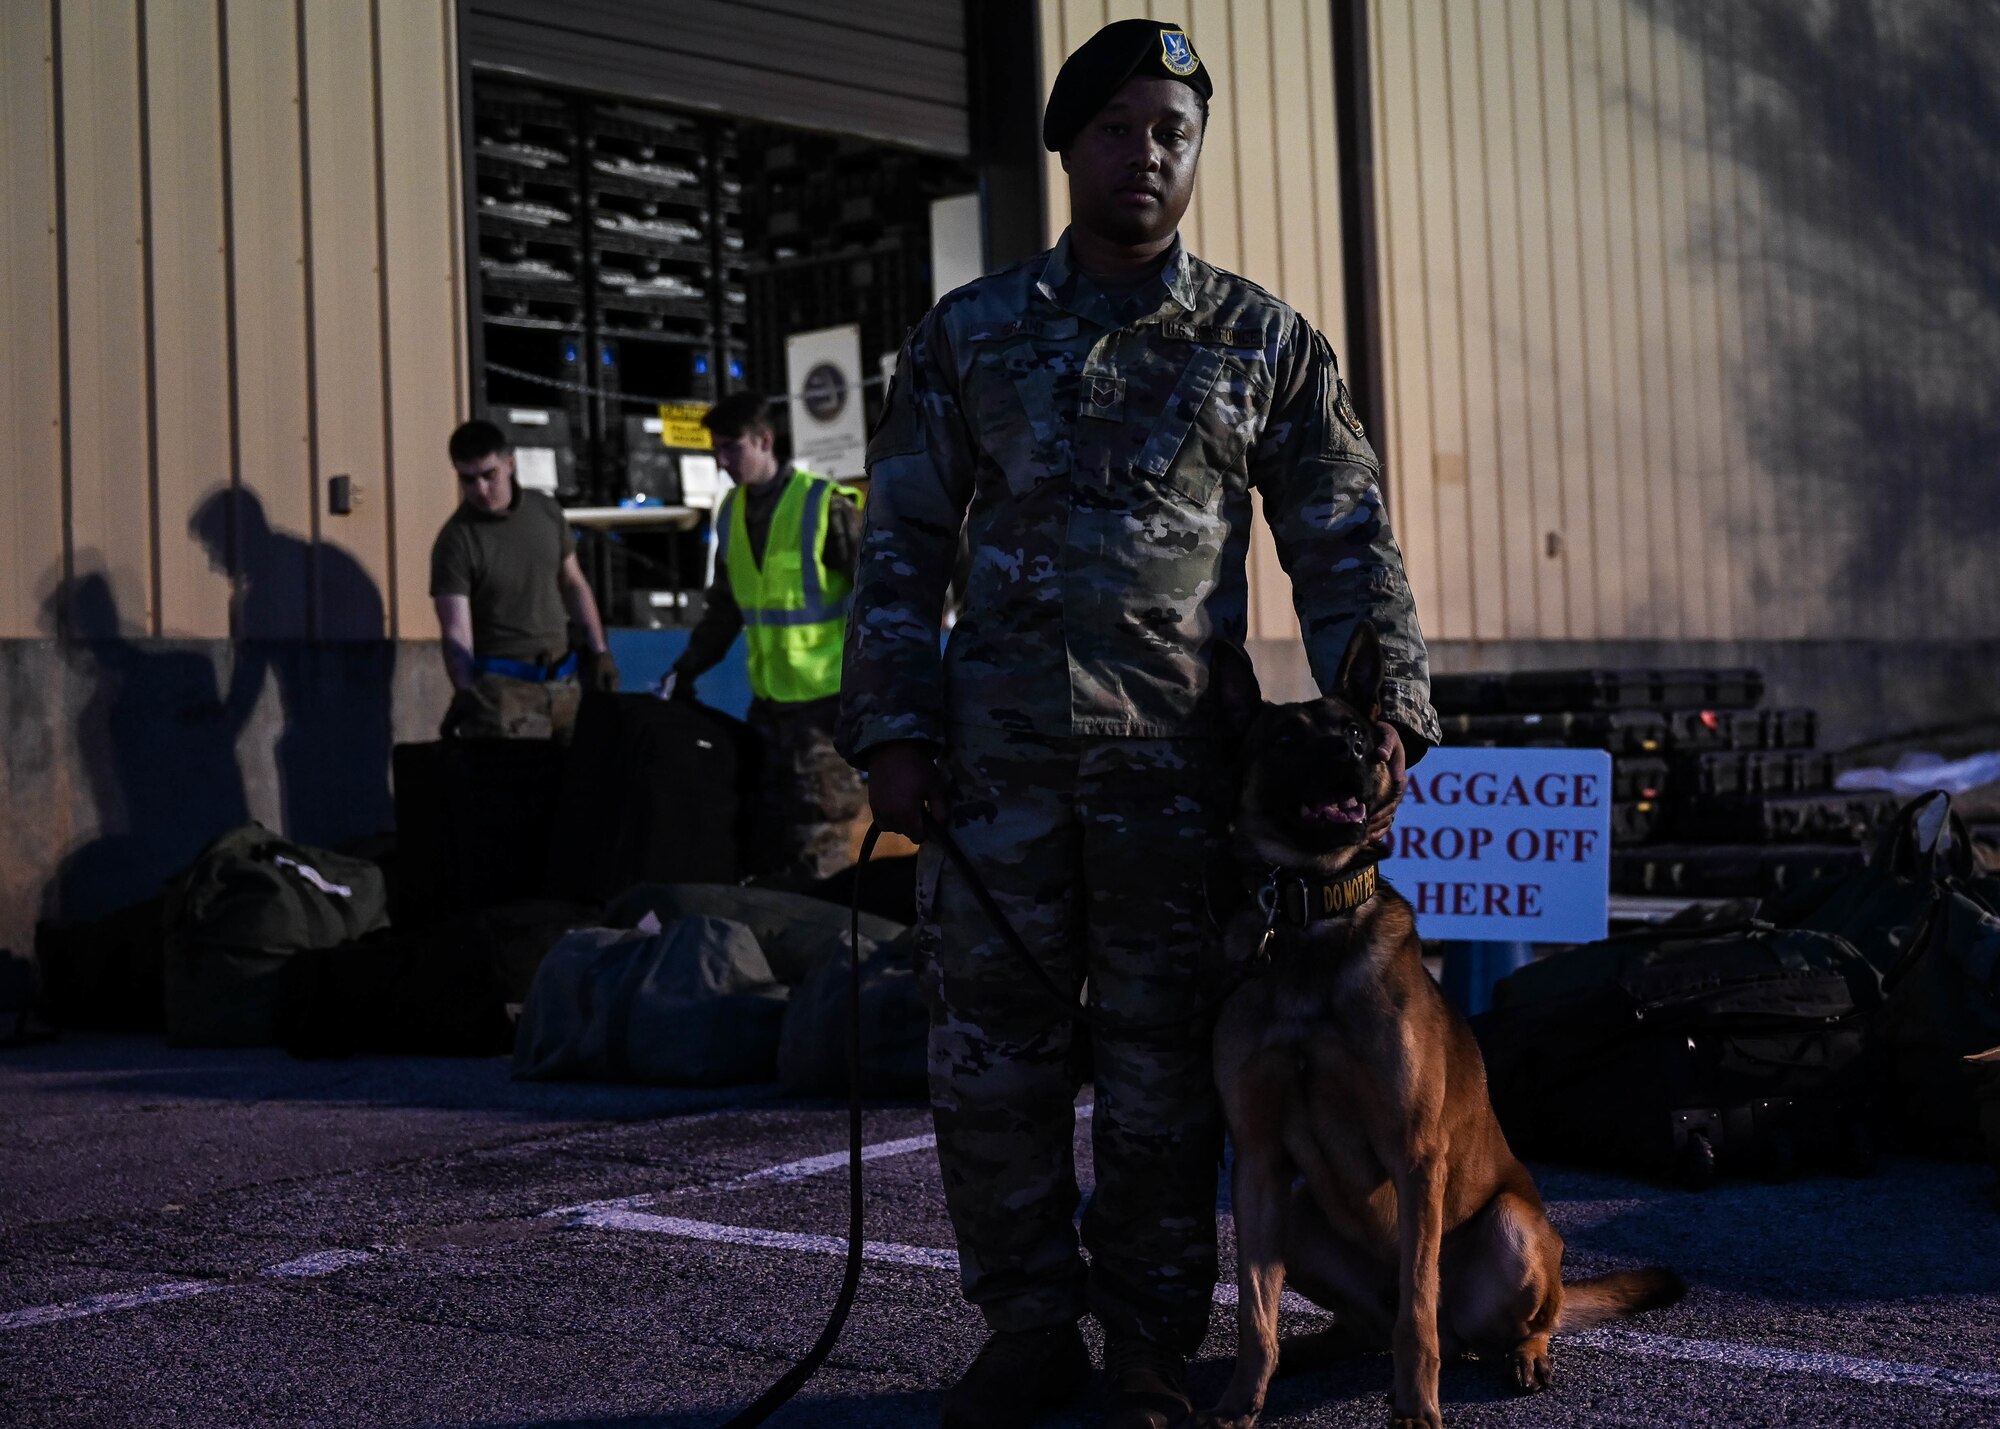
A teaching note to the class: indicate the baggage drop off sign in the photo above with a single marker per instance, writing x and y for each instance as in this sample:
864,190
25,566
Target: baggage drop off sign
1506,845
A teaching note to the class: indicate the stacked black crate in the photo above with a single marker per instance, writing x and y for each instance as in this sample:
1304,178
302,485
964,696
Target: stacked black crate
1715,794
844,236
529,200
666,249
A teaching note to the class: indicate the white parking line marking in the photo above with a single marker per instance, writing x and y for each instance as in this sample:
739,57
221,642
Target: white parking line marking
784,1173
320,1262
624,1214
101,1304
886,1251
1977,1383
1726,1354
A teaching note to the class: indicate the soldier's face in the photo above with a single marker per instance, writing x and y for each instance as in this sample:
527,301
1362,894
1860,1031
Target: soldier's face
750,459
488,483
1131,167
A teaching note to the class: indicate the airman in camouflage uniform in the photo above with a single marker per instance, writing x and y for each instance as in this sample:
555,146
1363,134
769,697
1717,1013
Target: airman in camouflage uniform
1100,442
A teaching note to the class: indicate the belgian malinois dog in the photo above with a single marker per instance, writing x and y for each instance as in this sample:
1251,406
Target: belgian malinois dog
1370,1171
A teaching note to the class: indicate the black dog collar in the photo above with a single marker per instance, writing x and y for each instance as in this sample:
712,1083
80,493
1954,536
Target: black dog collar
1303,899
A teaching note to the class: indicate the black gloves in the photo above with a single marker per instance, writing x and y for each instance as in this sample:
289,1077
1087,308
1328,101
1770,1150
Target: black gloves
600,672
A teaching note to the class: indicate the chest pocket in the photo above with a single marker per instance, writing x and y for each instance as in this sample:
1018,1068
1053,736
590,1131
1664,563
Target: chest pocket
1023,387
1204,429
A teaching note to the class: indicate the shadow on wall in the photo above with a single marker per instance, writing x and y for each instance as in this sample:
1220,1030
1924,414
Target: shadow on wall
1872,301
162,726
155,751
333,749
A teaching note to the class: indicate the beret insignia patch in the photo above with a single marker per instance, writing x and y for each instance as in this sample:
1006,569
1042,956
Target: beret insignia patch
1176,54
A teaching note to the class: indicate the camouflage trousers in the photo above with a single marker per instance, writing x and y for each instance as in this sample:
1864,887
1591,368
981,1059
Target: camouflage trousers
808,797
522,709
1095,849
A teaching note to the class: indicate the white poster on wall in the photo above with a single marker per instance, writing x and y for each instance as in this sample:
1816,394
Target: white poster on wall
829,419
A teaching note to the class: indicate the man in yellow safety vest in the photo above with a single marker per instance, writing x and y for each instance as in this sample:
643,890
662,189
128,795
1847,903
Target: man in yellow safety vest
783,573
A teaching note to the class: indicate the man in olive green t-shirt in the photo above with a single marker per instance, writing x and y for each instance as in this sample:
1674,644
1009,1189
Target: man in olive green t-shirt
507,586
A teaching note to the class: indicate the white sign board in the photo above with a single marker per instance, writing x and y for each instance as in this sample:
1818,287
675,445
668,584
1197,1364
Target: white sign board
1506,845
957,247
829,420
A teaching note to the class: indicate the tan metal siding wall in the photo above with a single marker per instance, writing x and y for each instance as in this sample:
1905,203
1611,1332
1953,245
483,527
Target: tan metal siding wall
1643,261
1267,203
256,203
31,431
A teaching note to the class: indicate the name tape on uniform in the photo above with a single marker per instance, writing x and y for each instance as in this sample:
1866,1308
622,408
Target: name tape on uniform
1506,845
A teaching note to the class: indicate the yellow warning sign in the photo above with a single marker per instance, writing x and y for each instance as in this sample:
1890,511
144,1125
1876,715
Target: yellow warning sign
680,426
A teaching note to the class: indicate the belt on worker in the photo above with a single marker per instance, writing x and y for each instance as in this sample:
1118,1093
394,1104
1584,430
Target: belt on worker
526,669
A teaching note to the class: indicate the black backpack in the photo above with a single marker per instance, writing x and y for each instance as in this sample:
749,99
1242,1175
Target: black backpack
1924,915
1681,1051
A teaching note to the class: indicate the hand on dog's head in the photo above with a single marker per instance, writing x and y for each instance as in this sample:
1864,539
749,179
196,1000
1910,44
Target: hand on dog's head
1309,773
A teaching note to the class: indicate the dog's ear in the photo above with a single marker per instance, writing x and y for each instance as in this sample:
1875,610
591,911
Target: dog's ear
1232,684
1360,679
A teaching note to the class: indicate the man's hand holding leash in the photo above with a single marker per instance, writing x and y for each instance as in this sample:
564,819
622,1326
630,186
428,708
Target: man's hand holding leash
904,784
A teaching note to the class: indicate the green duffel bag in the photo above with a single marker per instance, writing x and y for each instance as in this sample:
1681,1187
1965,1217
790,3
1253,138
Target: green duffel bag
250,902
692,1005
895,1026
791,928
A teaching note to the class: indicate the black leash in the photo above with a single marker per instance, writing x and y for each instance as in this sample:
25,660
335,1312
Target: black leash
794,1379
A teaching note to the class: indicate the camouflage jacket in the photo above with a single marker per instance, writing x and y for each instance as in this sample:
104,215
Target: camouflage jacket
1101,464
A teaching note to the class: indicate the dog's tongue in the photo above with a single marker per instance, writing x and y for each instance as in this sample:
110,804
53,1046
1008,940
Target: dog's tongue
1343,811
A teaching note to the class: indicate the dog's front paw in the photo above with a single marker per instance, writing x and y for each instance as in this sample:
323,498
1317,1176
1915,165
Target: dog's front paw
1424,1419
1532,1368
1223,1416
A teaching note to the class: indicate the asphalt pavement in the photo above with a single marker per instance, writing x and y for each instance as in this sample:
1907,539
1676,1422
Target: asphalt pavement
234,1239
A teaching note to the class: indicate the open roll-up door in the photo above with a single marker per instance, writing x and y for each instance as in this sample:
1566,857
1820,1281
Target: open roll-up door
890,70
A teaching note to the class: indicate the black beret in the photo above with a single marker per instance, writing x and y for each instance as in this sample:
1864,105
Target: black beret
1123,50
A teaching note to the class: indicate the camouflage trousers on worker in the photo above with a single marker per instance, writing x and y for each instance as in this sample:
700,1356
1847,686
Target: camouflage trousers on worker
1096,849
507,708
808,797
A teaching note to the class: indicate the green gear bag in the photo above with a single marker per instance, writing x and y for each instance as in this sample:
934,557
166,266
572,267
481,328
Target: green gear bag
249,903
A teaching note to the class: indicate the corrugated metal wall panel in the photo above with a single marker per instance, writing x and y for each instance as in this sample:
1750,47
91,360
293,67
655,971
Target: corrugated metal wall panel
110,482
250,286
1653,272
844,65
275,511
31,435
352,552
423,288
190,283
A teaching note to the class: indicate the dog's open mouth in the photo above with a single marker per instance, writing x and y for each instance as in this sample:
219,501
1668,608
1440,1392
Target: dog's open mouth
1341,813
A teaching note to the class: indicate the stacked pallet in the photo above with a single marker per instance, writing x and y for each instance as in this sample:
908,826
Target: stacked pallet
1715,794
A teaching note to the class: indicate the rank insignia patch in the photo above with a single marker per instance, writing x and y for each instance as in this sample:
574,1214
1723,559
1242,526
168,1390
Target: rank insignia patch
1176,53
1345,407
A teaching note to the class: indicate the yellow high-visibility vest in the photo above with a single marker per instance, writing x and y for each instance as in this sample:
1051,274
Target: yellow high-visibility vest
794,608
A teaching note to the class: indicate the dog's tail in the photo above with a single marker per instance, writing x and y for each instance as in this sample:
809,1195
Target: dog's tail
1591,1302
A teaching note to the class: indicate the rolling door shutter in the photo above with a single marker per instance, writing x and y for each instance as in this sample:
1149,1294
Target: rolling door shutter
890,70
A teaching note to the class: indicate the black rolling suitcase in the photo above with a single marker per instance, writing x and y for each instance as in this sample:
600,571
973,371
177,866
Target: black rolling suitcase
1728,870
653,791
1576,690
1634,821
1639,777
1468,694
472,824
1752,771
1682,1053
1828,816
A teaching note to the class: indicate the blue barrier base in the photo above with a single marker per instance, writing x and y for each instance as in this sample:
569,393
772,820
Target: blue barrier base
644,656
1471,970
